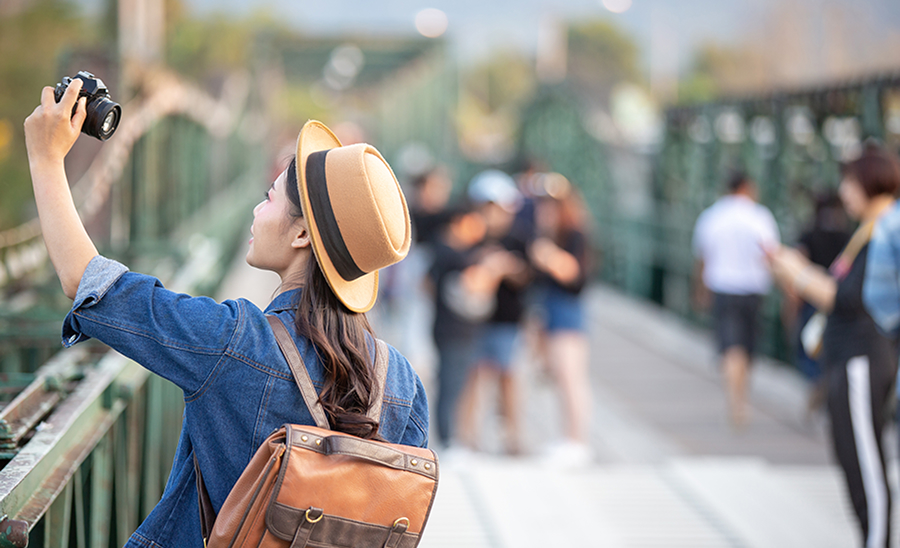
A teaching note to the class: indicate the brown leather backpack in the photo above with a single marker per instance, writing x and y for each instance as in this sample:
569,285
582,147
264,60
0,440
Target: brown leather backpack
310,486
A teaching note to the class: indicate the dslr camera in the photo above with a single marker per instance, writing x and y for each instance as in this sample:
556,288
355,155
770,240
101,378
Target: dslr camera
103,114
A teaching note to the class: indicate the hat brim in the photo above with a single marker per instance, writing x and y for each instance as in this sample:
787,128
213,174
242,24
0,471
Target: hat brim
358,295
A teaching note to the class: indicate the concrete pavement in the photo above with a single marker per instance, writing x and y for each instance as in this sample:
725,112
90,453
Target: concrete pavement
669,470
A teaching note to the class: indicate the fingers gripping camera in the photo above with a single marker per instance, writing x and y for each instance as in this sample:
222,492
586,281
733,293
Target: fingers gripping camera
103,115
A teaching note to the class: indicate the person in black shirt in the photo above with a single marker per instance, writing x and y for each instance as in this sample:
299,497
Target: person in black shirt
821,244
464,279
860,362
498,200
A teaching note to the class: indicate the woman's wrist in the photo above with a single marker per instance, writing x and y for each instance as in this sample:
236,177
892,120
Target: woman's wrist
48,172
43,161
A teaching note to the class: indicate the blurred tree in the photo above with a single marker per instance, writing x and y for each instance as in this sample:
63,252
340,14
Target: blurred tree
33,37
601,55
718,70
505,80
204,49
492,95
201,48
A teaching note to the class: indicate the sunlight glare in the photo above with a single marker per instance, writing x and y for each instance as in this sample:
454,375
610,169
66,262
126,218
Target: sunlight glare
431,22
616,6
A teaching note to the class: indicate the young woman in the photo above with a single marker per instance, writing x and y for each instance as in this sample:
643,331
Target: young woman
325,227
859,362
560,254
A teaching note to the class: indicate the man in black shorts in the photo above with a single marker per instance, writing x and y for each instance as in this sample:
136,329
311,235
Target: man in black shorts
729,242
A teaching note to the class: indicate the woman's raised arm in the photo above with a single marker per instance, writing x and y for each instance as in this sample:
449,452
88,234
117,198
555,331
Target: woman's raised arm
798,275
50,132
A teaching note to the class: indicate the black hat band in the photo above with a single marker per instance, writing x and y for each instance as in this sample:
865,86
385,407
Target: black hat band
320,203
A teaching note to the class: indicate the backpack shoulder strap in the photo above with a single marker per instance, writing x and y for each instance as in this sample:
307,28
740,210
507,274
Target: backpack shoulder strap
298,369
381,366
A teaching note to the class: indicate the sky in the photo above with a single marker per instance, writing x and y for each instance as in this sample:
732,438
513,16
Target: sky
476,27
667,31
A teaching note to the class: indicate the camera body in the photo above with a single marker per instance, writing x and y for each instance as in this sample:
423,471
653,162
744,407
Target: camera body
103,114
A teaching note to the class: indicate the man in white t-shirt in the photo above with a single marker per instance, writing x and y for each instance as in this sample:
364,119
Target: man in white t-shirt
729,241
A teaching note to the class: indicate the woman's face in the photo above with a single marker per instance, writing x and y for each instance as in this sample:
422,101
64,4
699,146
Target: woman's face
854,197
497,220
271,231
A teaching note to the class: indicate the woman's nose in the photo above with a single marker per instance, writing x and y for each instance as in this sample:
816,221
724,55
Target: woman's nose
256,209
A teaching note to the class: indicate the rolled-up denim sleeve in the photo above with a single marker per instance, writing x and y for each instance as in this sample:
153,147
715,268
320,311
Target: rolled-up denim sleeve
881,289
101,273
179,337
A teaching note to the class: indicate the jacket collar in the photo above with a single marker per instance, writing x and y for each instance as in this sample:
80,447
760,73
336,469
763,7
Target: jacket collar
286,300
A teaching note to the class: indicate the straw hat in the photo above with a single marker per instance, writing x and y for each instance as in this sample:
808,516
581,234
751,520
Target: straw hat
357,214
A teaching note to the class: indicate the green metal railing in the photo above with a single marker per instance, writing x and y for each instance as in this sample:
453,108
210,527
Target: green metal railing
87,443
790,142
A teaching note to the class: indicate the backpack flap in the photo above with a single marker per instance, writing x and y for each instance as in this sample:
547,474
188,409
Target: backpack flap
332,485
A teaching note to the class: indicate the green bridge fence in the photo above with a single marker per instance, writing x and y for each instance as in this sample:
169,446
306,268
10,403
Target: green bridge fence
791,143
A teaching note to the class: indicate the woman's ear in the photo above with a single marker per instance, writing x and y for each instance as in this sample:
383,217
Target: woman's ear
301,235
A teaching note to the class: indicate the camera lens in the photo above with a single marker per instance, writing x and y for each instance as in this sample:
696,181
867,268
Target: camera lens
102,118
109,123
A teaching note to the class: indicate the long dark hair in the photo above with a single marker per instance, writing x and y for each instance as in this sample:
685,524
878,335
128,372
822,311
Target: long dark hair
341,338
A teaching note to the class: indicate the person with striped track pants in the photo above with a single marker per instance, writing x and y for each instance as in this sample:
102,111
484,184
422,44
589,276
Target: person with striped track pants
859,360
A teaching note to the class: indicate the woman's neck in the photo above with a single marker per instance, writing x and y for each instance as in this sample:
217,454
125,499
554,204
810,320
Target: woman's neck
292,279
877,205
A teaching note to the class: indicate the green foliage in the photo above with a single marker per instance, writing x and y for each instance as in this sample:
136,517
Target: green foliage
719,70
504,80
602,55
697,88
33,37
197,47
210,46
295,104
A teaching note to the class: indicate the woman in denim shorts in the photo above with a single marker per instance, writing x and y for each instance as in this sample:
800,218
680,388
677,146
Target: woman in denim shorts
560,253
237,385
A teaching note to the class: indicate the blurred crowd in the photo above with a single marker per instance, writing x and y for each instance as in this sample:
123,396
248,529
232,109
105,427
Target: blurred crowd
509,253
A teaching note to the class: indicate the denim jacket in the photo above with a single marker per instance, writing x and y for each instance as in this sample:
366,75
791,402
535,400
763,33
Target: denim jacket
237,385
881,289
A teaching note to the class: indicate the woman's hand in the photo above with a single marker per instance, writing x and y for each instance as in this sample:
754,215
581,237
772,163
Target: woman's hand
558,263
51,130
502,264
542,253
